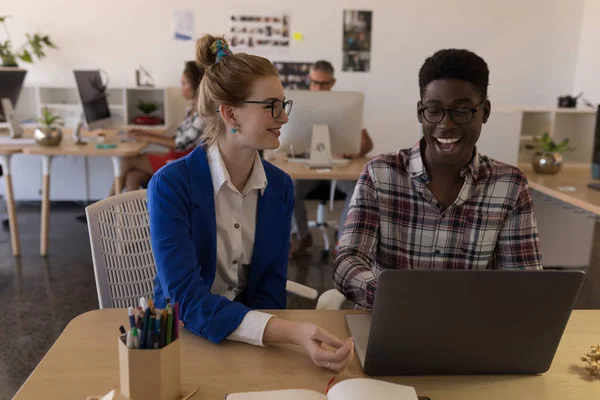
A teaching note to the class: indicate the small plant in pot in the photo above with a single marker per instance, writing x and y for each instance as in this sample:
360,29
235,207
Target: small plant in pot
548,158
147,107
49,133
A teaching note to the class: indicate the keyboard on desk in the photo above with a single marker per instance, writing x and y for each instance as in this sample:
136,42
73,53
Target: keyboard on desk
302,160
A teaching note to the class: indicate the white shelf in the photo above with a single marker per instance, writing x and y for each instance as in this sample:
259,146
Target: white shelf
62,106
78,106
560,110
575,124
576,111
122,102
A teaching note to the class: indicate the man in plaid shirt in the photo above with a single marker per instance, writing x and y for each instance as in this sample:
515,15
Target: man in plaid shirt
441,204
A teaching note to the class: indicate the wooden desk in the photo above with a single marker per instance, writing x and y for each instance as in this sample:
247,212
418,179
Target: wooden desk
6,152
350,172
84,361
571,176
68,148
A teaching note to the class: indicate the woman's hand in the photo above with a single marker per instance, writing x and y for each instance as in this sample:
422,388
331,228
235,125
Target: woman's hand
311,338
136,134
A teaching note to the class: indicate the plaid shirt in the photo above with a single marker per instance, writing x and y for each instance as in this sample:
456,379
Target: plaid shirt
189,132
395,222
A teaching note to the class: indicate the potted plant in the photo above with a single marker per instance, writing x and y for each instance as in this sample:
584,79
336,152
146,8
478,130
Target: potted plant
548,158
147,107
34,46
50,132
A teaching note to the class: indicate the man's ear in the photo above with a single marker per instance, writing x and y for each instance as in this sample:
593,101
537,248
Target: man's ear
487,110
228,114
419,117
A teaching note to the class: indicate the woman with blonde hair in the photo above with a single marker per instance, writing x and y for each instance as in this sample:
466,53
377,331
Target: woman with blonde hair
220,217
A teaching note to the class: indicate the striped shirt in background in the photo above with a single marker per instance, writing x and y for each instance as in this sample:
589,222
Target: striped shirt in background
395,222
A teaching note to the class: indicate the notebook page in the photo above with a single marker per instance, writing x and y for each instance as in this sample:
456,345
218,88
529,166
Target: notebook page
300,394
367,389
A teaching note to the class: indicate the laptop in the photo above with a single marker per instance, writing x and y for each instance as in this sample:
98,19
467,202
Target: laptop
464,322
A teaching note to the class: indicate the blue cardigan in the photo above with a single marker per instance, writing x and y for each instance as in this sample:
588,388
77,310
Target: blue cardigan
184,242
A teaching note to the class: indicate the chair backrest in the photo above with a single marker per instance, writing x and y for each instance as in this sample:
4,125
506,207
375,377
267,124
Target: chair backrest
121,251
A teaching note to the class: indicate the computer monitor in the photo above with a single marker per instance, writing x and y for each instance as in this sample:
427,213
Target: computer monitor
93,98
313,114
11,83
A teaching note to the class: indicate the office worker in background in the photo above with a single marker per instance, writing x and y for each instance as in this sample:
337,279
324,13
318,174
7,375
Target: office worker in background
322,78
220,217
441,204
180,141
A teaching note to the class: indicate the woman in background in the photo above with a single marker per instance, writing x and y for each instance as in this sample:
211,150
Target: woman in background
138,170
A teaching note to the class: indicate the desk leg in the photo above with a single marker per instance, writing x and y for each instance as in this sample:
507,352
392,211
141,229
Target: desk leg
46,163
118,166
10,206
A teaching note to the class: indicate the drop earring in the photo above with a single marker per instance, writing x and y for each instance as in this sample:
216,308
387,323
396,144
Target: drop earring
233,130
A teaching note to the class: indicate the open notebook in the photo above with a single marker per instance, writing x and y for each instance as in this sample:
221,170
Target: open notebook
351,389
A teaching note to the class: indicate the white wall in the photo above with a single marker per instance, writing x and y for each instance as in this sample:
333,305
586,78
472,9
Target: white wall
587,73
531,46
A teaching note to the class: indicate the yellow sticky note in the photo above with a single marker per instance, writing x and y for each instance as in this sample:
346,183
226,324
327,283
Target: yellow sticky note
298,36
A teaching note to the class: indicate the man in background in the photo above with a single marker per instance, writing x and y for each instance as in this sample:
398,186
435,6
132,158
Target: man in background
322,78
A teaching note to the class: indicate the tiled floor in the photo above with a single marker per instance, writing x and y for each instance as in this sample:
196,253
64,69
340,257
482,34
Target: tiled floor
41,295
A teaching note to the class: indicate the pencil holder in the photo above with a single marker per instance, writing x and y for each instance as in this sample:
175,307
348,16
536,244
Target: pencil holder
150,374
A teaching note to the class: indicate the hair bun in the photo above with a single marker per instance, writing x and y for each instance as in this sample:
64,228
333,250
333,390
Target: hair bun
210,50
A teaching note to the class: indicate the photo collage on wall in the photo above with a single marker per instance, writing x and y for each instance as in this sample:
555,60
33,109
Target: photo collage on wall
249,31
357,40
293,75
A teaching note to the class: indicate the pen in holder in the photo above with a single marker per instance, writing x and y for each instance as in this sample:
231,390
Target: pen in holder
149,354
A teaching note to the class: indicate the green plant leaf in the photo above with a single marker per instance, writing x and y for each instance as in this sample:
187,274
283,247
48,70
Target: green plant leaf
26,56
564,146
147,107
8,59
48,42
49,119
547,145
4,18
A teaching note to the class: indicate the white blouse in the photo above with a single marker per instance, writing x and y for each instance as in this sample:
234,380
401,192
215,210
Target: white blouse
236,226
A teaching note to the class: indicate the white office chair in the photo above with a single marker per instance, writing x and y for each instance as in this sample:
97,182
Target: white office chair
326,227
330,300
123,261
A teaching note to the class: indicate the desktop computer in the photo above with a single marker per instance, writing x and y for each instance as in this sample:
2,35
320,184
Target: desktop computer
92,94
11,83
323,123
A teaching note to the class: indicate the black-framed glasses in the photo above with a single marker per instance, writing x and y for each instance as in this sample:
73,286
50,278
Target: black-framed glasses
277,106
320,83
460,115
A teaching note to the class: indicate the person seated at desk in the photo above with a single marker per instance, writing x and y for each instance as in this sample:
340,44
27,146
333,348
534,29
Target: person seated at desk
220,217
441,204
322,78
138,170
